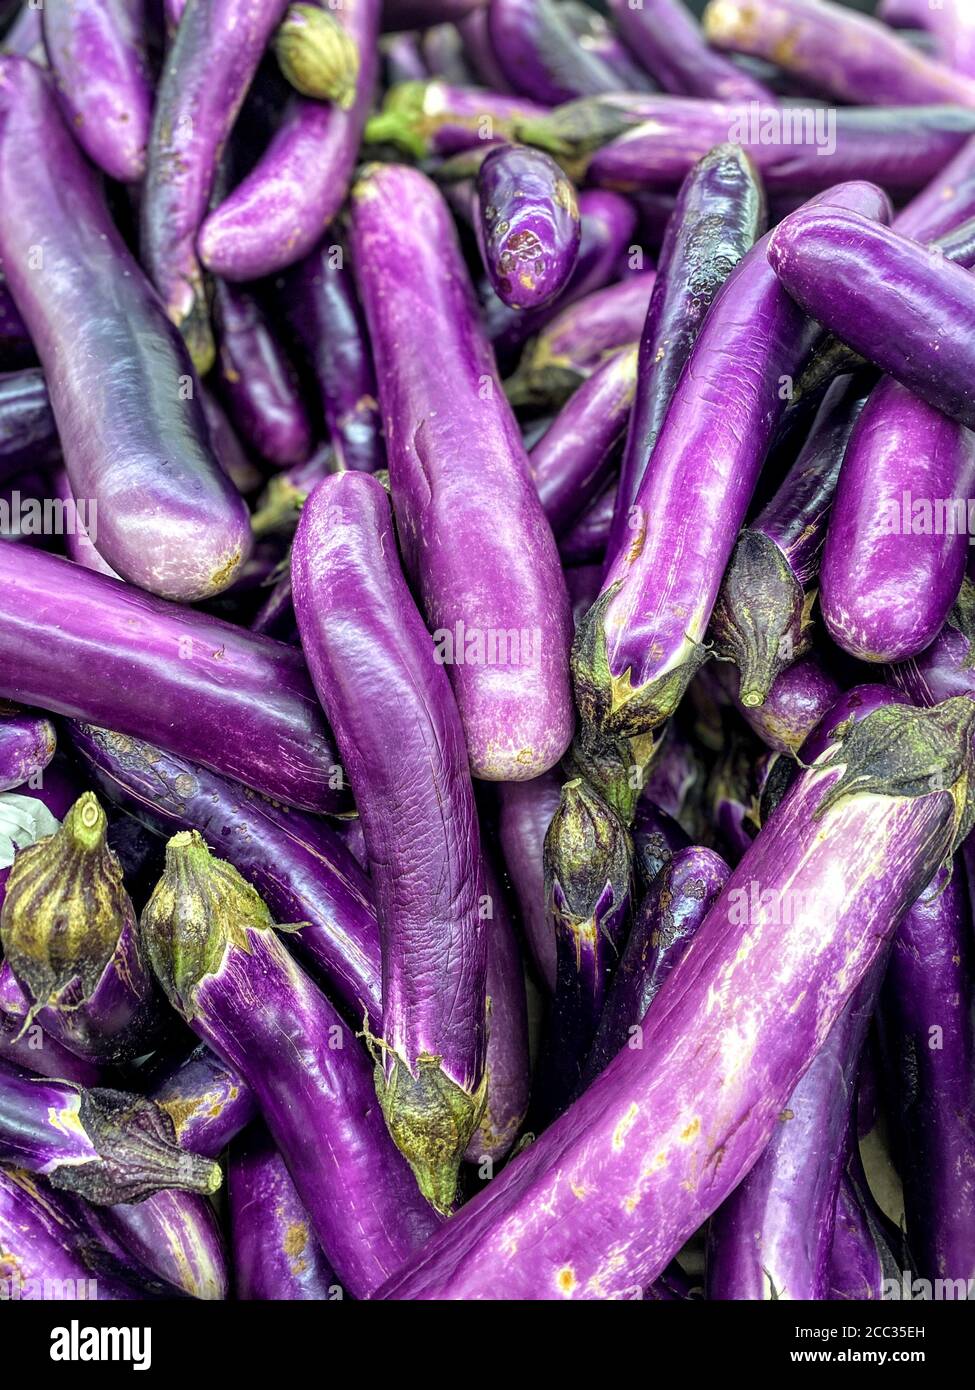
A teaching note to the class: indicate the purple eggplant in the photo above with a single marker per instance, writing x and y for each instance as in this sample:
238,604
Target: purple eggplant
525,814
928,1037
466,517
277,1256
156,663
27,744
762,620
946,668
573,458
257,380
35,1051
325,313
528,225
586,539
277,215
798,699
420,14
134,438
108,1146
208,1103
418,815
643,640
669,43
720,212
28,434
863,1260
664,1135
539,54
657,837
208,70
425,119
831,48
317,54
597,36
172,1237
78,545
947,201
212,943
677,902
97,52
70,939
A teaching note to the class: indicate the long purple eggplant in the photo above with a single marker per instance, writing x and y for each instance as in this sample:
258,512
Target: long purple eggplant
158,664
525,814
833,49
325,314
528,225
212,943
947,201
677,902
97,52
208,1103
258,381
466,516
897,543
585,541
70,938
946,668
134,438
663,1136
928,1036
657,837
539,54
208,70
719,214
574,457
278,213
425,119
27,744
276,1254
418,816
669,43
172,1241
864,1262
761,620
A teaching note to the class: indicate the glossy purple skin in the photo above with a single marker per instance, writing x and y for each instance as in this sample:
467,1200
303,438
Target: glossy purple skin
677,902
276,1255
835,50
886,590
525,814
44,1250
773,1237
169,520
208,69
325,314
476,542
644,1141
174,1236
296,862
862,1255
27,744
319,1104
258,381
528,225
719,213
585,541
799,698
96,49
208,1103
279,212
540,55
668,41
657,837
910,312
420,14
854,704
901,148
473,29
254,711
50,1058
928,1036
940,672
28,434
946,201
77,542
406,760
574,457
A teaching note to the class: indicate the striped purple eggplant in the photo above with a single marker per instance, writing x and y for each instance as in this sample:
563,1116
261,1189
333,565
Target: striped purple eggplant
418,815
171,1241
761,620
70,938
524,816
277,215
212,943
476,542
719,214
540,56
134,438
325,314
664,1135
317,54
528,225
27,744
677,902
277,1257
668,42
897,542
97,52
427,119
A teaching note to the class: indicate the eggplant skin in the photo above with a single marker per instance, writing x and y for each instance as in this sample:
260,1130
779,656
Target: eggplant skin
528,225
476,542
122,390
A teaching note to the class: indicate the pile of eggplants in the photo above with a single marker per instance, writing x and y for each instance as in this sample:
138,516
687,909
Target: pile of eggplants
487,650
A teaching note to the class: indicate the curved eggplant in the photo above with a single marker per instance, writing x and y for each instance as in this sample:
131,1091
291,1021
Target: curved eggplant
528,225
27,744
208,1103
669,43
539,54
525,814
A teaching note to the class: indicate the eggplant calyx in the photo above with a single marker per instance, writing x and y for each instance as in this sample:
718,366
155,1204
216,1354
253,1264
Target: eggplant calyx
199,908
588,856
901,750
404,121
317,55
962,617
138,1153
542,382
761,620
615,767
576,129
431,1120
